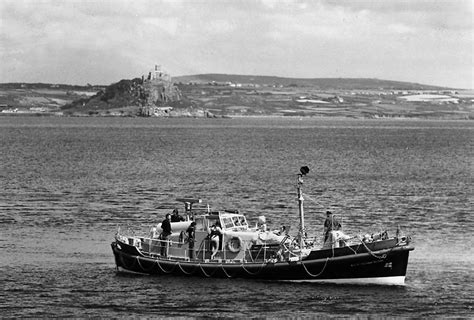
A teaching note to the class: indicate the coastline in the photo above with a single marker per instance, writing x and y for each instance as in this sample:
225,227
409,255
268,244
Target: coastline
241,117
226,102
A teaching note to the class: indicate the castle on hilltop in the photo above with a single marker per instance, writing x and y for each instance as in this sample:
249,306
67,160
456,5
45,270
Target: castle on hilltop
157,75
158,91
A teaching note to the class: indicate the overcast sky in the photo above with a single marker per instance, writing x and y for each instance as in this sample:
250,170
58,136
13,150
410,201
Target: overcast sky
101,42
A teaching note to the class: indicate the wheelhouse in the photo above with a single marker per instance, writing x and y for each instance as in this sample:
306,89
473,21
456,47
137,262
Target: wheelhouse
228,221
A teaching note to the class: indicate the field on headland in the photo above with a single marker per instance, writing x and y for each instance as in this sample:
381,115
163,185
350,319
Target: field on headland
258,96
307,101
40,98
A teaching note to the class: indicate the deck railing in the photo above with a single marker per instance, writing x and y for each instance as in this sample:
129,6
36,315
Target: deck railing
181,250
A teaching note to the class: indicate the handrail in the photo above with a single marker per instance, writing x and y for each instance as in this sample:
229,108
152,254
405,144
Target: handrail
152,246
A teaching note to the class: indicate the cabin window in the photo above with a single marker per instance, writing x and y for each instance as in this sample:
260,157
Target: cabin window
228,224
212,221
236,221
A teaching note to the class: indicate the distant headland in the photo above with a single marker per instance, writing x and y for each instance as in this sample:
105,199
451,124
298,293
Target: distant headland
157,94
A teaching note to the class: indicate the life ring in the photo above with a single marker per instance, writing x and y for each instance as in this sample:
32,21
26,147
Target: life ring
235,244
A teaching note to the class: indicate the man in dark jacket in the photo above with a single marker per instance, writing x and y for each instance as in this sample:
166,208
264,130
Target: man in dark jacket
166,227
175,217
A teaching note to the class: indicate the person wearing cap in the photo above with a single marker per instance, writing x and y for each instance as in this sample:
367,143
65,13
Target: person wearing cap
330,224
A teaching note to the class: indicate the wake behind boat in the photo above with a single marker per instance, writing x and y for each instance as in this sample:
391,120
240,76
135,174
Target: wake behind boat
222,244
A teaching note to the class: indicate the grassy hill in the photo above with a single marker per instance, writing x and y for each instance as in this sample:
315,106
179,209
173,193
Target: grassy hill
317,83
242,95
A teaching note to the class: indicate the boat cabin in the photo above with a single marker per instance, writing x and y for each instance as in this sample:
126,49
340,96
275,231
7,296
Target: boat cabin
228,220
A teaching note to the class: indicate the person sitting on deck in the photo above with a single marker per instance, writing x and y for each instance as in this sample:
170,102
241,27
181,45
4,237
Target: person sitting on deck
330,224
175,217
214,236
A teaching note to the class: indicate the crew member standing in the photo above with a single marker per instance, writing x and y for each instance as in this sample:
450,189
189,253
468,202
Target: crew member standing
191,231
330,224
214,236
176,217
166,227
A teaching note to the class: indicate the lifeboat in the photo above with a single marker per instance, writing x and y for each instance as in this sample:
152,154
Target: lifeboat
222,244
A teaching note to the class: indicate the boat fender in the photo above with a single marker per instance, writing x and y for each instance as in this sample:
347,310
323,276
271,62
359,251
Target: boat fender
235,244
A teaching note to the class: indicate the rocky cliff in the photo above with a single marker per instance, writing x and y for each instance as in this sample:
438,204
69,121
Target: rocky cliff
142,97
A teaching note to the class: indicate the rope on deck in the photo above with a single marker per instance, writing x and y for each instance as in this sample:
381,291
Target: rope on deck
383,256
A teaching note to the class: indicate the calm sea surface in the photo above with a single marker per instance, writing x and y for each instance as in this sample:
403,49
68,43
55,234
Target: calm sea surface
67,183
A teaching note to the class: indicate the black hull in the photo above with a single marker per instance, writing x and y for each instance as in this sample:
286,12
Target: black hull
346,265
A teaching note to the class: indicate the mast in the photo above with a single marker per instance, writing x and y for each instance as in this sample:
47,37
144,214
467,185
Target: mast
304,170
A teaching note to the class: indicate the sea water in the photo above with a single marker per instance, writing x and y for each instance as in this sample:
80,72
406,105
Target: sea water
66,184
